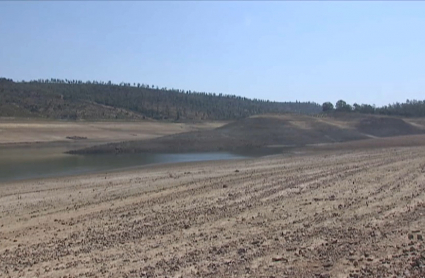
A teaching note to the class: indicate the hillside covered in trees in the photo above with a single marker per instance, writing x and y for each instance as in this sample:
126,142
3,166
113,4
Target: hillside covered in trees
410,108
74,99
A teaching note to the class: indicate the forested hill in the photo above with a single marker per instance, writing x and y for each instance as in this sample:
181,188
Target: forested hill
73,99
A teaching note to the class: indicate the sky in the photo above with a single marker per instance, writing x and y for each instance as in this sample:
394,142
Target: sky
361,51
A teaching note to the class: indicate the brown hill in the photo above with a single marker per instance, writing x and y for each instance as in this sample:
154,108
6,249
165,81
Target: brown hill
265,132
386,126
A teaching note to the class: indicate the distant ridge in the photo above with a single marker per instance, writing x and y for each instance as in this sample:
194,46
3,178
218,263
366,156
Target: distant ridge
95,100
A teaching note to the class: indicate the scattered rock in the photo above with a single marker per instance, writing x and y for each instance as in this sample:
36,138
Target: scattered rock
279,259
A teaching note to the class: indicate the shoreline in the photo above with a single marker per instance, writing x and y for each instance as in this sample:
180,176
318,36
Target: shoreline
123,169
56,150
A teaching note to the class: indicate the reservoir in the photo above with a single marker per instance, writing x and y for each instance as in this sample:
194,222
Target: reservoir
20,163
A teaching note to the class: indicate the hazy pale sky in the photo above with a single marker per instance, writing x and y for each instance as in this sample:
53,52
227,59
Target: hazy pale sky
365,52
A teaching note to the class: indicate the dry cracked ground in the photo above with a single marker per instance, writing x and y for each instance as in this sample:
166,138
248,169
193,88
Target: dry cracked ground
335,214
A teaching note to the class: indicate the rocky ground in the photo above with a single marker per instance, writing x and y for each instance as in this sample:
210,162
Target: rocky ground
352,213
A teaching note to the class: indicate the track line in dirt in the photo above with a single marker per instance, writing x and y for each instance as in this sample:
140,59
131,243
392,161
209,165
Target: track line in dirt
344,214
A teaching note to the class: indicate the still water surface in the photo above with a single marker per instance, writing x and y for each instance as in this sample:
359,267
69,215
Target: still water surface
28,163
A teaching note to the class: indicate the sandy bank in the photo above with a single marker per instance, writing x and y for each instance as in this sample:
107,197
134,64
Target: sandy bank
38,131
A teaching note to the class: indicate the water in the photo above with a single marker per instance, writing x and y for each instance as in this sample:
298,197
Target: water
29,163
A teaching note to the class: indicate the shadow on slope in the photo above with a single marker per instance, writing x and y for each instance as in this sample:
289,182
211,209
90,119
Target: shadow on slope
386,127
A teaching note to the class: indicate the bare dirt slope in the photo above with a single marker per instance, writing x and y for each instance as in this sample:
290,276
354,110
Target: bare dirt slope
270,131
418,122
386,126
31,131
351,213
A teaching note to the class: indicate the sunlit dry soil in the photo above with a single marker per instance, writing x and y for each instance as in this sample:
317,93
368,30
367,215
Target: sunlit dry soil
335,213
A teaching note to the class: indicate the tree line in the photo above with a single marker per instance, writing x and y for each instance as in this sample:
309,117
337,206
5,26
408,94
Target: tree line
75,99
410,108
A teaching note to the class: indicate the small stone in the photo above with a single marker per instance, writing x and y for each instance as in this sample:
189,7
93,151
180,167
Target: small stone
279,259
224,185
241,251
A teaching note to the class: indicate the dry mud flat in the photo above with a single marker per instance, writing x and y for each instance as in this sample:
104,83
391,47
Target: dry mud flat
334,214
38,131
